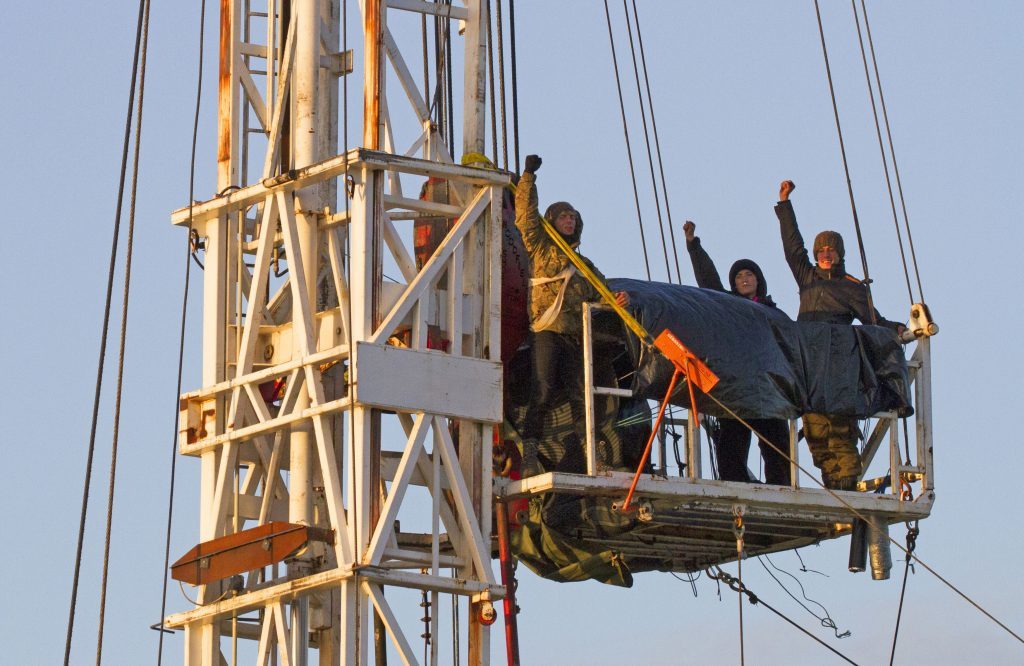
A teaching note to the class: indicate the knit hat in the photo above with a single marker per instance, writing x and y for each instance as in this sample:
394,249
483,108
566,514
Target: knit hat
830,239
559,207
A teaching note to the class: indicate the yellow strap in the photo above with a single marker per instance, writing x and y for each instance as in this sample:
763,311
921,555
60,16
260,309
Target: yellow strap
481,160
606,295
473,159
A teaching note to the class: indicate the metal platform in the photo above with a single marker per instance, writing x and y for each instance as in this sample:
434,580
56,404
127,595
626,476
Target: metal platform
688,523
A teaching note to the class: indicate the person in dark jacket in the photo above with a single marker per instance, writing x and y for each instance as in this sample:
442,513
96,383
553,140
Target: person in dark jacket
828,294
557,294
732,446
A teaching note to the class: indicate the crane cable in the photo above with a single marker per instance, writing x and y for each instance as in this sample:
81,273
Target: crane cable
892,153
846,166
645,338
490,81
122,339
181,336
657,143
515,82
881,147
647,141
501,84
103,337
629,150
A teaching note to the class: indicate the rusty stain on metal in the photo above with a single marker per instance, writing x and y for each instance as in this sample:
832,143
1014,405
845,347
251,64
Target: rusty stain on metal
224,85
244,551
372,74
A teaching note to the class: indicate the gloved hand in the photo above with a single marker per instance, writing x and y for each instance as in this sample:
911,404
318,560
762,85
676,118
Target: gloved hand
533,163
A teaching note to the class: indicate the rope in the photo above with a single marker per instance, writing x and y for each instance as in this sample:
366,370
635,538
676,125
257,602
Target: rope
181,336
647,140
912,533
892,152
629,150
122,339
738,586
103,341
515,82
881,147
657,144
846,167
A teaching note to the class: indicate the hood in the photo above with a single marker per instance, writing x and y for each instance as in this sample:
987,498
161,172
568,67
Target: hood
750,265
556,209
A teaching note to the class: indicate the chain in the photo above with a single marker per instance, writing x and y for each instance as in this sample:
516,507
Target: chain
738,529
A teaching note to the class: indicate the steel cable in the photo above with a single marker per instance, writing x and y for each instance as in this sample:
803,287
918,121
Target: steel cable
103,339
846,166
738,586
892,152
515,81
912,533
490,80
854,511
122,339
860,515
657,143
625,130
181,337
881,147
501,82
826,621
647,140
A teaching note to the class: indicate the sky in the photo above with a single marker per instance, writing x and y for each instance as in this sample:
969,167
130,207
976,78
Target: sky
742,102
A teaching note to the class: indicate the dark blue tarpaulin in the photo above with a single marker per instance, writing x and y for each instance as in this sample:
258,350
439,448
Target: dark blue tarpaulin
769,366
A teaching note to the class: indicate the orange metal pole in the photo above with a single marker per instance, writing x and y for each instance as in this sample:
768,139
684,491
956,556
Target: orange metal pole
650,441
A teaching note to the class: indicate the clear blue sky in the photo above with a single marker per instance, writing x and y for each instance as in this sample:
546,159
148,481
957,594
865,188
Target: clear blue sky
742,103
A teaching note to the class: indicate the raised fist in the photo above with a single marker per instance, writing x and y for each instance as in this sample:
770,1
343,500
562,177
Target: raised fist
785,189
533,163
688,229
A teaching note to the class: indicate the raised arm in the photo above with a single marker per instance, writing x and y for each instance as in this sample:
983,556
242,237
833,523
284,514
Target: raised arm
703,267
527,214
792,241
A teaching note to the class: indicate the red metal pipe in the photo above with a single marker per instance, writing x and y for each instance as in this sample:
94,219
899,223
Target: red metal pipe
508,580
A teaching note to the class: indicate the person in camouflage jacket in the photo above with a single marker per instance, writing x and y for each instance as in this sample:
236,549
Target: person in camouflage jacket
557,294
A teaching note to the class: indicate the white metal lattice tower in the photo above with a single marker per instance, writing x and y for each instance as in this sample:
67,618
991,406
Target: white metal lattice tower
307,350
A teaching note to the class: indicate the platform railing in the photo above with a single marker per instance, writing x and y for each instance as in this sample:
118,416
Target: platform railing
886,427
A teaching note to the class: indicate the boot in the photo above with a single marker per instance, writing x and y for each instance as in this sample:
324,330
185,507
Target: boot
841,483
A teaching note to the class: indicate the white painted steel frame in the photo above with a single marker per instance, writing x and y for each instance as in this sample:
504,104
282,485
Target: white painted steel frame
311,455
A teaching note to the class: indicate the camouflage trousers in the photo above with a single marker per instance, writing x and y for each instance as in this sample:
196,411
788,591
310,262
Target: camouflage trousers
832,440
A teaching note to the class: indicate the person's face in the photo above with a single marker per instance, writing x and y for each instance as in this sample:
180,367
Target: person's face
565,223
827,257
746,283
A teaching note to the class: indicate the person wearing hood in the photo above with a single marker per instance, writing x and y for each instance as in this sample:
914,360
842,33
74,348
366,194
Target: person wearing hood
827,294
557,294
732,445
